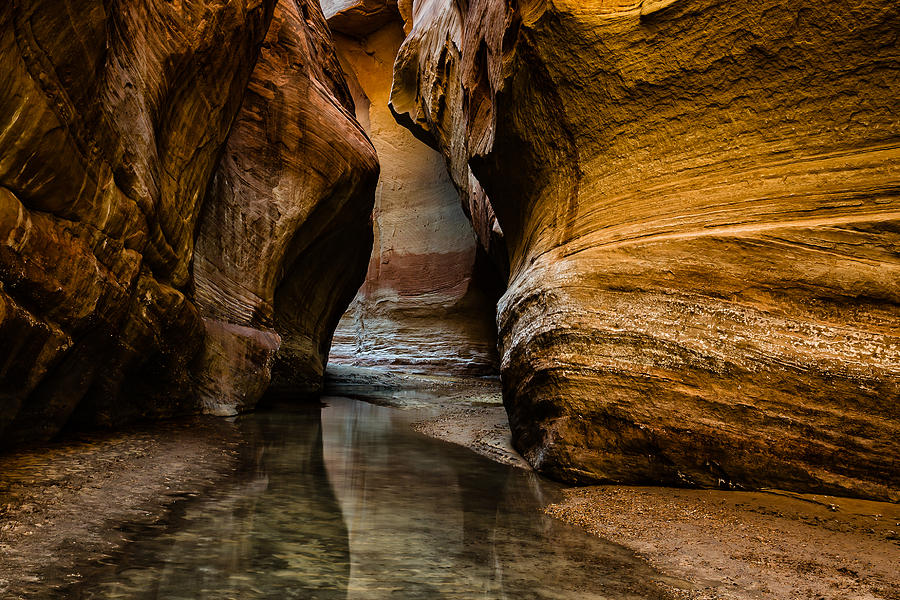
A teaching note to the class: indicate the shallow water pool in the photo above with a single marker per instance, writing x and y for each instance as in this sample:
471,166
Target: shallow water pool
347,501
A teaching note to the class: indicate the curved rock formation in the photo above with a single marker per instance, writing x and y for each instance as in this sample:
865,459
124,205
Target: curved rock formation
428,302
113,118
111,126
700,202
286,231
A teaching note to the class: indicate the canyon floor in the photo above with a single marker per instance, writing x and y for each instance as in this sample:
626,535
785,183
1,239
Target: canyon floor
727,544
745,545
76,501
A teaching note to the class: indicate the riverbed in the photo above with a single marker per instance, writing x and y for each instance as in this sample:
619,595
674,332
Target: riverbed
346,500
370,499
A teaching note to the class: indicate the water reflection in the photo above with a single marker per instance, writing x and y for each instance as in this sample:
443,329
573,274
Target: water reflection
350,502
276,531
427,519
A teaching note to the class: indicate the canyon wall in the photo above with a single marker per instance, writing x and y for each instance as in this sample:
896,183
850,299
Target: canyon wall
700,204
286,231
113,119
427,304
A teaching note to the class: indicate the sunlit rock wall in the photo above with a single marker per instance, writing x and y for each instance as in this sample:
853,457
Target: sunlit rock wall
700,204
113,117
427,304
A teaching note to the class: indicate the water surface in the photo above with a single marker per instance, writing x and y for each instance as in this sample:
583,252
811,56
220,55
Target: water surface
347,501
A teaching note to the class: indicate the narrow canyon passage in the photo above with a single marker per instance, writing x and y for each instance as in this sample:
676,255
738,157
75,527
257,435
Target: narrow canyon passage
428,302
501,299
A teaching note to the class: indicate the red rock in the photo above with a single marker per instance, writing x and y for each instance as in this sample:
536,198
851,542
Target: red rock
286,232
113,118
424,306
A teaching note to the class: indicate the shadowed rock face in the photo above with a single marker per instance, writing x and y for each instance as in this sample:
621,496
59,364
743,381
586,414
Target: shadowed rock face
700,204
113,118
428,301
286,231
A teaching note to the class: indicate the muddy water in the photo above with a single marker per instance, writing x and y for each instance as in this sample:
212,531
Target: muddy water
347,501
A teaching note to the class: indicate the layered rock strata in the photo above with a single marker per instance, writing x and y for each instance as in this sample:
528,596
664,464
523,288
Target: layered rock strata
427,304
284,238
112,122
700,204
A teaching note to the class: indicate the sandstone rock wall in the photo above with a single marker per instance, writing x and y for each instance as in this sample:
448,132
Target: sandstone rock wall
113,117
427,304
700,204
286,231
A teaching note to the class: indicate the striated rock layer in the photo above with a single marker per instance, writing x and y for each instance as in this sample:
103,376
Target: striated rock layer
427,304
286,231
112,122
700,204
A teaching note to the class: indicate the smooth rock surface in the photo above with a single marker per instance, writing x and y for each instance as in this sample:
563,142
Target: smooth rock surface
113,118
427,304
111,121
285,235
700,205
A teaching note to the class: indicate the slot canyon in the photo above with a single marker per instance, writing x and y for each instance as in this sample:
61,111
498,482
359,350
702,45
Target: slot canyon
449,299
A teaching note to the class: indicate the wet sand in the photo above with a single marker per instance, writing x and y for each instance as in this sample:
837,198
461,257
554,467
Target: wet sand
74,502
745,545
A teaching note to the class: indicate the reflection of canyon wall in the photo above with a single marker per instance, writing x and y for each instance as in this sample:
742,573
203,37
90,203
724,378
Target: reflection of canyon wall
113,118
426,519
423,306
273,529
700,201
397,530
